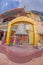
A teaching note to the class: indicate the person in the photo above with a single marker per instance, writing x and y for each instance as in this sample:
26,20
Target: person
17,40
39,45
20,40
11,40
14,40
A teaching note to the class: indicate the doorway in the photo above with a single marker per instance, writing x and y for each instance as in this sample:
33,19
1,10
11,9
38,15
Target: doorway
1,35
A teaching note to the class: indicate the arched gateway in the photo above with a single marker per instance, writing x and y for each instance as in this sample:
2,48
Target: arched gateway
22,19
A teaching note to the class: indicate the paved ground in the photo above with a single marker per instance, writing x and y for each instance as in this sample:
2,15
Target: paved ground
5,61
20,54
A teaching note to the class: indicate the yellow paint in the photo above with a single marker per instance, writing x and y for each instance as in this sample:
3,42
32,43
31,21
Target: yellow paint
22,19
35,36
30,15
30,37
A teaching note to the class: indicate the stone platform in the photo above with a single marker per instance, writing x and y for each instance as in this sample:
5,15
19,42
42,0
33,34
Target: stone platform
20,54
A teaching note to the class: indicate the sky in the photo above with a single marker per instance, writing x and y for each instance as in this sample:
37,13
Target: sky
6,5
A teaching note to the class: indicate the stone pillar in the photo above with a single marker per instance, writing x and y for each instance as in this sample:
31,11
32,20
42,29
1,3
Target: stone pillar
1,20
4,35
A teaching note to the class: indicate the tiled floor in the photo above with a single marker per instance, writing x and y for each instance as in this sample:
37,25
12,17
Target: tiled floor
5,61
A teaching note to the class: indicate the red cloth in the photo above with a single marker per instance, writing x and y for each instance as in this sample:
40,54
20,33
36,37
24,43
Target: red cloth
12,40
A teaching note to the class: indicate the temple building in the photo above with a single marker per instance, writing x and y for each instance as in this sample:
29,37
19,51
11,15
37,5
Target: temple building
6,17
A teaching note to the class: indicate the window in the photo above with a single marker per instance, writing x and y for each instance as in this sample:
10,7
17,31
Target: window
42,37
19,11
41,18
5,20
42,24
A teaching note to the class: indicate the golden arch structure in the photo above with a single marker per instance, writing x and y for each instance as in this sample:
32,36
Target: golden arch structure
22,19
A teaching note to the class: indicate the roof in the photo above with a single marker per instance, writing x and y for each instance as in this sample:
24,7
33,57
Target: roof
21,29
37,12
13,12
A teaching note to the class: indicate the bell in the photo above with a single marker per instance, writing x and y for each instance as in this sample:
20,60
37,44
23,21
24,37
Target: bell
21,30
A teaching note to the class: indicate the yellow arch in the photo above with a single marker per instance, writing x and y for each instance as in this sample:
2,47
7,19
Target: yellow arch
24,20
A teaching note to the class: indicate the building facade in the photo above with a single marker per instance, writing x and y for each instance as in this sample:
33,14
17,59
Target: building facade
38,18
6,17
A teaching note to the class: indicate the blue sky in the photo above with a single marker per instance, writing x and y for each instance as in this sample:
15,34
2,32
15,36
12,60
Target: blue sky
33,5
6,5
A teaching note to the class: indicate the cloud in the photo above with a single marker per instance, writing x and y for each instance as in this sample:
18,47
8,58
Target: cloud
29,5
6,5
33,5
